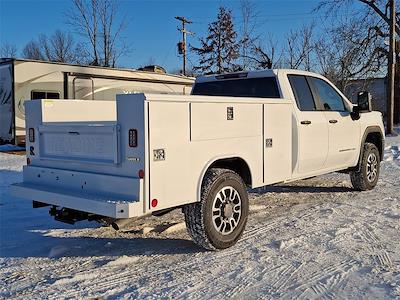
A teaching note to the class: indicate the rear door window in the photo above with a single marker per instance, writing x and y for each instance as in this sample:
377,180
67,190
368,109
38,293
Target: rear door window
263,87
302,92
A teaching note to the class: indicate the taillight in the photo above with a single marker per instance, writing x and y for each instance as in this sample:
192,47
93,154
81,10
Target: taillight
132,138
141,174
154,202
31,135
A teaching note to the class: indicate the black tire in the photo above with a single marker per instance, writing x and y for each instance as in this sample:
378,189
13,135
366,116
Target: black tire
367,173
218,185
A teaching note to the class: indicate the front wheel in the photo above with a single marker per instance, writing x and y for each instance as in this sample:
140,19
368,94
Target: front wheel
218,220
366,177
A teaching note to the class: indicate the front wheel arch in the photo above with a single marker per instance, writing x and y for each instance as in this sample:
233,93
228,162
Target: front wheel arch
373,135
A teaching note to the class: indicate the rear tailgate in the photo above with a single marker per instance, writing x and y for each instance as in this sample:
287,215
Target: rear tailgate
81,158
90,143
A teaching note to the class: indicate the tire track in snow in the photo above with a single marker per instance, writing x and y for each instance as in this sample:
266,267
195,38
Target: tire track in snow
285,278
112,277
327,290
247,279
379,253
341,268
383,259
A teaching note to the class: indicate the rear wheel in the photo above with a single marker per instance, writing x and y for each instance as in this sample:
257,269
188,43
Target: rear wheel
366,177
218,220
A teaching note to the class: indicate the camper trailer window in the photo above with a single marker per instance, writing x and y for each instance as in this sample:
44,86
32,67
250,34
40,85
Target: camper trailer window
52,95
45,95
38,95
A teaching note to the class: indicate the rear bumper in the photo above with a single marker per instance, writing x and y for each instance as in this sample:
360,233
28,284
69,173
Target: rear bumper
97,204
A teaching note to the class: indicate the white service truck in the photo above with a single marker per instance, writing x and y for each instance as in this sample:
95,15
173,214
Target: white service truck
149,153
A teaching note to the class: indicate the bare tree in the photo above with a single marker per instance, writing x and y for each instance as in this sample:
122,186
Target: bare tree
8,50
377,8
59,47
248,37
299,48
32,50
265,53
375,24
96,20
343,54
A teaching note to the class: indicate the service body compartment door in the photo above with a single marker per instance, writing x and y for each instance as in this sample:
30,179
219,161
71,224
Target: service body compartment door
169,155
277,142
216,121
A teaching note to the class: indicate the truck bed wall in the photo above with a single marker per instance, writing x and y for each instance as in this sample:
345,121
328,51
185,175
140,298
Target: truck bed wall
194,132
179,137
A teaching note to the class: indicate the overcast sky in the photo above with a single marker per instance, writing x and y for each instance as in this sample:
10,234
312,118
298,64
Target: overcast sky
152,29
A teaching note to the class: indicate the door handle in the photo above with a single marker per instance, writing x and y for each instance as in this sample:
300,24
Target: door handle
332,121
305,122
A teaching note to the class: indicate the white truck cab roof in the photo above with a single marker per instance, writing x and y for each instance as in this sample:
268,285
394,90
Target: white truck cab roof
254,74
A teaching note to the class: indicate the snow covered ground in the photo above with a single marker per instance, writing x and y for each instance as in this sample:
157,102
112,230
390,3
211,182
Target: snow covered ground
9,147
315,238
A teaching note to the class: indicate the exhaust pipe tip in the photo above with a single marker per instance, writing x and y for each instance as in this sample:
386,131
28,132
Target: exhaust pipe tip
120,223
114,225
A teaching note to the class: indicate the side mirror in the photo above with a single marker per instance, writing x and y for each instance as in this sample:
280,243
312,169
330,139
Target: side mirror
355,114
364,101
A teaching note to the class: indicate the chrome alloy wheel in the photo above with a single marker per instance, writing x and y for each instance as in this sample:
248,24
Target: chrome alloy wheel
372,167
226,210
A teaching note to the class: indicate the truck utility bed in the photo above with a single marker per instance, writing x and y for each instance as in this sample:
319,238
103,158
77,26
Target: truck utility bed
147,152
74,159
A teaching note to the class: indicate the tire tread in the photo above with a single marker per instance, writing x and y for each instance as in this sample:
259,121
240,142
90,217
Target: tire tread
358,177
194,213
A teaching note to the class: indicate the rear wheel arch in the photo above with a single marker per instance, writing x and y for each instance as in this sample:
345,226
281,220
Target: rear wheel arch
233,163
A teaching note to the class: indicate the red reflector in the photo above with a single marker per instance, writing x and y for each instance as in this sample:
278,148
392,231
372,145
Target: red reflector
141,174
28,161
31,135
154,202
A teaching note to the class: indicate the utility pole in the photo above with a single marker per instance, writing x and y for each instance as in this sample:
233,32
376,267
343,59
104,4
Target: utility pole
182,45
391,68
396,118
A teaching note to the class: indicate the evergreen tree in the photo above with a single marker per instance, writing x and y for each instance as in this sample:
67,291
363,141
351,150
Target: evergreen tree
220,49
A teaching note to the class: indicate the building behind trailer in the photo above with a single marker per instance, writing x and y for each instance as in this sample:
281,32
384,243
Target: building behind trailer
22,80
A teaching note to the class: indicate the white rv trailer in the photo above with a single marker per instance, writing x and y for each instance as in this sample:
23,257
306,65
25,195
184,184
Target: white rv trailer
21,80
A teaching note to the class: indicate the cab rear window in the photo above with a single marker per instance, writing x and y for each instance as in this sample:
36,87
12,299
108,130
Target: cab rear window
264,87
